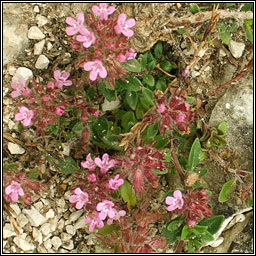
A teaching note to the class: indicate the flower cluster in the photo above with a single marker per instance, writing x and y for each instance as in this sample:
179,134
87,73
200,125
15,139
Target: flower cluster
103,42
174,202
43,104
18,185
94,189
137,165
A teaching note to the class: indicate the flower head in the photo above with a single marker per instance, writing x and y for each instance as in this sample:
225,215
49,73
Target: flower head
117,216
186,73
76,25
26,115
95,221
92,177
174,202
61,78
123,25
104,164
86,37
106,209
60,110
103,11
13,191
116,182
89,163
161,108
96,67
80,198
20,88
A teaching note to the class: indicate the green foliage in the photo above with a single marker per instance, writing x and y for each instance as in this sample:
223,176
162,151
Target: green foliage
213,223
161,141
161,84
174,231
68,166
33,174
146,98
10,167
132,99
166,65
194,155
149,81
132,84
100,127
247,27
132,66
128,194
226,190
106,92
108,229
194,8
158,50
78,126
247,7
225,32
20,127
165,171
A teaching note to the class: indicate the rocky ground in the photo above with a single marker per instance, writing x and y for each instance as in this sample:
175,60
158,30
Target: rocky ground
35,41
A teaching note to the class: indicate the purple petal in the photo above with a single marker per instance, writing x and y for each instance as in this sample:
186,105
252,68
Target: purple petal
169,200
102,215
96,10
111,9
19,117
14,85
177,194
103,5
68,83
57,74
130,23
27,121
100,224
21,192
111,163
98,162
88,220
89,65
8,190
121,18
15,94
73,199
93,75
80,17
92,226
127,32
70,21
71,31
122,213
100,206
65,75
103,72
118,29
111,213
14,196
171,208
105,157
79,205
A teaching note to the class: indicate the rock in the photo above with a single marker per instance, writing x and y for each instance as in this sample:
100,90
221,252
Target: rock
38,205
70,229
49,46
14,40
110,105
46,229
21,220
16,208
26,73
35,218
75,215
236,48
80,223
15,149
36,9
53,223
37,235
50,214
23,244
41,20
11,124
66,149
38,47
42,62
11,70
65,237
56,242
8,231
48,244
35,33
41,249
69,245
195,73
236,108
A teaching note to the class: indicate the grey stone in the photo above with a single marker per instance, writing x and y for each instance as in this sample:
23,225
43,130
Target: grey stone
14,40
48,244
42,62
70,229
64,236
22,220
24,72
236,48
50,214
46,229
69,245
41,20
35,218
80,223
56,242
37,235
75,215
15,149
38,47
23,244
110,105
16,208
35,33
8,231
53,223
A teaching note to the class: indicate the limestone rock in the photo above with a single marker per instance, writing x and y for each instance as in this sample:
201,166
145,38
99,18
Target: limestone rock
23,244
41,20
42,62
50,214
35,218
56,242
38,47
22,220
35,33
46,229
75,215
236,48
69,245
15,149
37,235
8,231
80,223
24,72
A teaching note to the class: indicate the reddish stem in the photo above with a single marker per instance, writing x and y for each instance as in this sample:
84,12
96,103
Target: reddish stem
180,246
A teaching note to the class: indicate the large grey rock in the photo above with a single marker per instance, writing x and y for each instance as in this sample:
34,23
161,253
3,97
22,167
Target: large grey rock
35,218
35,33
15,40
23,244
236,108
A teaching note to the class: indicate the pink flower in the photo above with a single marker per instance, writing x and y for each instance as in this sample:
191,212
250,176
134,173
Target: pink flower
20,88
86,37
62,78
106,209
76,25
89,163
104,164
46,98
96,67
117,216
121,58
116,182
92,177
123,25
103,11
162,108
13,191
191,223
174,202
95,220
26,115
131,54
50,85
80,198
181,117
60,110
186,73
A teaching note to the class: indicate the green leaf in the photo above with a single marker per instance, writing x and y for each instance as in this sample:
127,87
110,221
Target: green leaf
90,92
226,190
194,8
161,85
222,128
20,127
151,65
54,129
132,99
185,232
100,127
10,167
128,194
152,130
161,141
250,201
158,50
132,66
33,174
165,171
149,81
194,155
247,27
166,65
148,96
108,229
213,223
207,237
247,7
197,243
172,235
143,60
126,118
173,225
200,228
203,172
190,247
181,31
139,112
168,157
68,166
190,100
107,93
225,37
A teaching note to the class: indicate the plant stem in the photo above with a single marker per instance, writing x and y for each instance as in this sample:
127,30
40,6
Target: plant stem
180,246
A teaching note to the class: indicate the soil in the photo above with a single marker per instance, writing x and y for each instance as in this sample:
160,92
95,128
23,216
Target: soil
153,24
